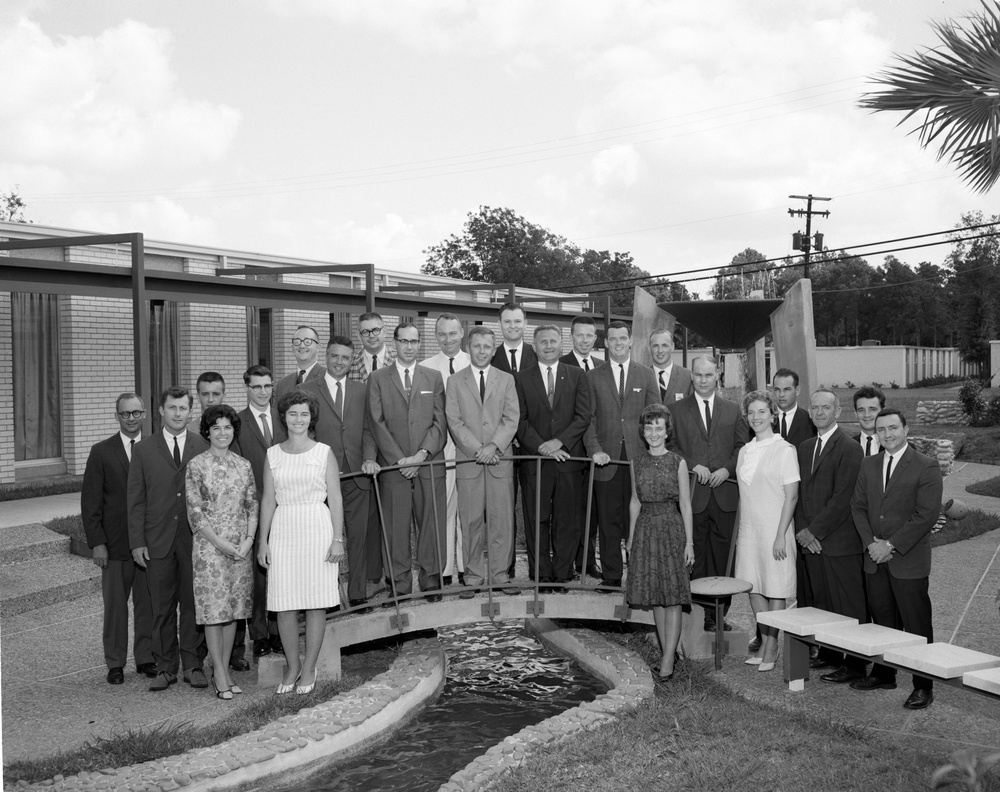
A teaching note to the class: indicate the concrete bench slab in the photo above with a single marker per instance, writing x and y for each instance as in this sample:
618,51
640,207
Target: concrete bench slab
943,660
802,621
867,639
987,679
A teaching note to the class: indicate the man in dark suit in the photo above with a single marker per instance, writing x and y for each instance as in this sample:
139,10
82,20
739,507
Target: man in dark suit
482,411
794,423
554,404
868,403
343,425
709,433
305,347
583,333
830,556
161,540
105,520
673,381
406,416
260,429
896,503
619,392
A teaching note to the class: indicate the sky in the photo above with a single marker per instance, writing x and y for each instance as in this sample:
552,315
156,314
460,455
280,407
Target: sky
367,130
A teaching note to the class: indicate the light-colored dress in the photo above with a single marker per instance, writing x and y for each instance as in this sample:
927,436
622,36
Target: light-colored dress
300,577
762,470
222,495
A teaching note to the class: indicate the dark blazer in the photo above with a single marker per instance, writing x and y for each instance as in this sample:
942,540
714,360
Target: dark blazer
570,360
566,419
102,498
801,428
679,382
287,383
400,427
157,507
824,505
904,514
526,359
350,438
612,424
252,446
721,450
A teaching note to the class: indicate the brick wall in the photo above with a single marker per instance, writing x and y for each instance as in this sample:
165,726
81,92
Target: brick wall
6,393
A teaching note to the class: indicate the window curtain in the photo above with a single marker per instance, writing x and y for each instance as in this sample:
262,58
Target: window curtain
35,337
164,353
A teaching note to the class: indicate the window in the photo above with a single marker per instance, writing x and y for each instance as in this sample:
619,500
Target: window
35,342
164,353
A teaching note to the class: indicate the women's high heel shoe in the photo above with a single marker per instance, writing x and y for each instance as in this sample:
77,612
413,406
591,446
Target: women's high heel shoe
224,695
763,667
754,660
285,689
304,689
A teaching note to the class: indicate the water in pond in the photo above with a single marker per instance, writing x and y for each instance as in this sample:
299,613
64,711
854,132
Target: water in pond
499,681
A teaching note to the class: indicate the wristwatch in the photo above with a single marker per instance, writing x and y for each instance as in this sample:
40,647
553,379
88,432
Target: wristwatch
889,545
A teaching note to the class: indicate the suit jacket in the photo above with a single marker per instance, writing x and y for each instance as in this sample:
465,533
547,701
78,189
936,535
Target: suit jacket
612,424
824,505
474,423
287,383
359,373
570,360
903,514
720,450
350,437
157,506
801,428
102,498
525,360
567,418
252,446
401,427
679,384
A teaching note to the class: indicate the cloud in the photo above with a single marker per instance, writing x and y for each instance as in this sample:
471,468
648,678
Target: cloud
157,218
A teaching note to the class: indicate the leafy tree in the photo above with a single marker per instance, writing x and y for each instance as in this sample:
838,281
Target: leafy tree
12,206
975,301
744,274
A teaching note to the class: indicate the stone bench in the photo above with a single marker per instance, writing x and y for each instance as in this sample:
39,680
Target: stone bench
943,662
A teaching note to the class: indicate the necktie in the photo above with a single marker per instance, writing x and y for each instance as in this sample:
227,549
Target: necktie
482,386
268,439
407,384
586,364
708,418
131,447
177,452
819,449
868,446
784,427
451,365
300,377
888,473
338,402
513,361
550,381
374,362
663,387
621,385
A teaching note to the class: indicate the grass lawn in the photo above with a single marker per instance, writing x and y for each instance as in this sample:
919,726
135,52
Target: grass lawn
989,487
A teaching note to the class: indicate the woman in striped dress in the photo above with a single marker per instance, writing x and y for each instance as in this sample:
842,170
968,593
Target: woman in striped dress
301,539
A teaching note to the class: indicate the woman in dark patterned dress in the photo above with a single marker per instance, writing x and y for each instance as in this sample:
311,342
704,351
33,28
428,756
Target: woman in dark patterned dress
660,545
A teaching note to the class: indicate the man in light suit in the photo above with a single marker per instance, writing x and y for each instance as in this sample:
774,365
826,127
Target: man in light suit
260,429
450,360
674,381
830,557
709,433
343,425
161,540
896,503
374,353
794,423
583,333
305,347
406,415
619,392
482,412
105,521
554,404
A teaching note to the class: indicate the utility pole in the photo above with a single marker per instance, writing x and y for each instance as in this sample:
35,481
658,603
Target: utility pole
805,243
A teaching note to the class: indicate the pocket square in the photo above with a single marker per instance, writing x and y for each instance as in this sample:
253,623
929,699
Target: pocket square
422,393
636,390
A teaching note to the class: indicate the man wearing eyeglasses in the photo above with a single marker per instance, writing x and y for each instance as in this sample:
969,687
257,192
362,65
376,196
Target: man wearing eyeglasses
260,430
105,520
305,347
374,353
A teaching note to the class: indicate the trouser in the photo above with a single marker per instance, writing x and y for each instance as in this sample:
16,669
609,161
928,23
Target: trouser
484,505
171,584
405,500
902,604
558,527
118,579
613,499
713,538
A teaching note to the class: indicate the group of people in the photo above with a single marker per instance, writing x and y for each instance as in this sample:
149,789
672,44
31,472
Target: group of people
251,517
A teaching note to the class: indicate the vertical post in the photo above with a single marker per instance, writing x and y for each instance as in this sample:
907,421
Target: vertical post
684,354
807,242
607,313
140,330
511,293
369,287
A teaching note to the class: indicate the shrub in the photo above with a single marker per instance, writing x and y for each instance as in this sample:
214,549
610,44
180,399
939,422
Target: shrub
894,385
971,397
876,384
850,385
937,379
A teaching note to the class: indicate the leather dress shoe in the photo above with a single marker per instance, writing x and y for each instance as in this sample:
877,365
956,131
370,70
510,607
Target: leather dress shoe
433,597
238,662
873,683
116,676
276,644
594,571
754,644
147,670
261,647
841,676
920,698
446,580
607,583
461,578
360,605
467,593
196,678
819,662
163,681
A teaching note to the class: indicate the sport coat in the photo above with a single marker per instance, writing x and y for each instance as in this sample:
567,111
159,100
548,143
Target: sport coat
359,373
287,383
252,446
679,384
903,514
720,450
570,360
102,498
157,506
801,428
526,358
824,505
401,427
612,423
567,418
474,423
350,436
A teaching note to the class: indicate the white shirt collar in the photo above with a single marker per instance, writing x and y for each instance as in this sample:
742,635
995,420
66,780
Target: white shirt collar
824,436
543,367
127,441
170,440
401,368
517,348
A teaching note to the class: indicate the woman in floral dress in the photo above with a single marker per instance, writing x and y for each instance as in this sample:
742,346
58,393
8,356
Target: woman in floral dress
222,511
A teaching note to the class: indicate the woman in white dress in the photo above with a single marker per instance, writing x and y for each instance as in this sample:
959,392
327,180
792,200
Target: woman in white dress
768,474
301,539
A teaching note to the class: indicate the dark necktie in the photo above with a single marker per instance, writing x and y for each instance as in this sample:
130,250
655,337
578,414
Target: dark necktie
374,363
338,402
513,361
819,449
550,382
177,452
663,387
868,446
482,385
784,427
888,473
407,383
621,385
131,448
708,418
451,365
301,376
586,364
268,439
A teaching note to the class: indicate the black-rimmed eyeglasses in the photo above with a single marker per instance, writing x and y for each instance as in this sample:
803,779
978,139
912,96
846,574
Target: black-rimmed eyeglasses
373,332
126,414
261,388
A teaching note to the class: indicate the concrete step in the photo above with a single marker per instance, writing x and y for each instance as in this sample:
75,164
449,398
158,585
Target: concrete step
46,581
30,543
